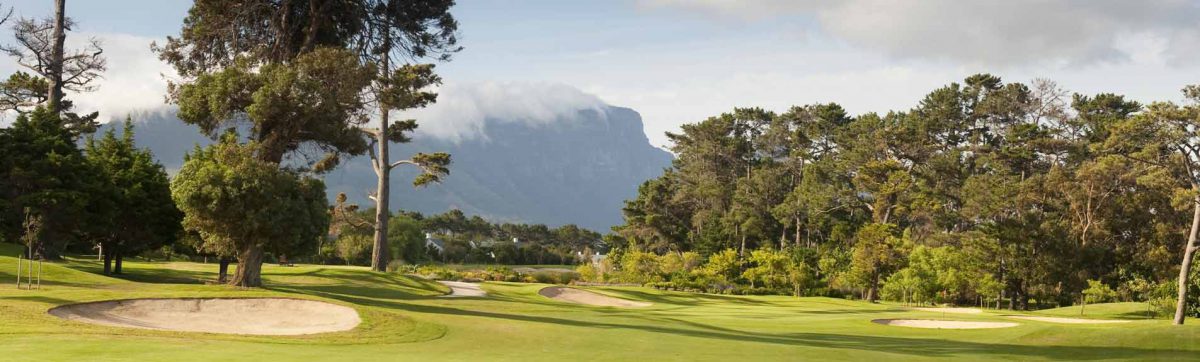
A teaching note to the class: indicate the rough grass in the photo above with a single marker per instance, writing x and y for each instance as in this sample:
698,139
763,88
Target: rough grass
403,320
1126,310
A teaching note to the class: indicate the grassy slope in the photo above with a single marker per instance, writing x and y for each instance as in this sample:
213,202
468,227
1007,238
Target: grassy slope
403,320
1127,310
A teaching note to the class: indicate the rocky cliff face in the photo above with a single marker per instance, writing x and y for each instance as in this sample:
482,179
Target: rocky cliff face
575,170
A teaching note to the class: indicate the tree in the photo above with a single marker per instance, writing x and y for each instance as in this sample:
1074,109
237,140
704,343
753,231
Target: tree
406,240
1166,138
395,30
43,174
722,267
771,267
876,254
352,247
40,49
241,204
403,90
655,219
280,68
143,217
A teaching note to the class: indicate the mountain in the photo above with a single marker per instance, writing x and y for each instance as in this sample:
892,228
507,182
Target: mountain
577,169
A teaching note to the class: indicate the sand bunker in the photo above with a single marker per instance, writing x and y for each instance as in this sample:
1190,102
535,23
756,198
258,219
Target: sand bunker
1067,320
585,297
950,310
463,289
940,324
260,316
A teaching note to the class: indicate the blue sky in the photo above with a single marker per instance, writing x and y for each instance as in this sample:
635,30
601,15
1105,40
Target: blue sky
680,61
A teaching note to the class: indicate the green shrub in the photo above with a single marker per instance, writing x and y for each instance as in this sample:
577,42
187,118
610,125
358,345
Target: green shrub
1098,292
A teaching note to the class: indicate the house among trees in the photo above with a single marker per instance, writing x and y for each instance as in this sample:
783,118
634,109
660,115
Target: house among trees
431,242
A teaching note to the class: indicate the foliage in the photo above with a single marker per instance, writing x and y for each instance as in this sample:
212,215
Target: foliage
352,248
142,215
44,175
405,239
984,191
1098,292
240,205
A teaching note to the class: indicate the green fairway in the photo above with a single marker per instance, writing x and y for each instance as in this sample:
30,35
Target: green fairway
404,320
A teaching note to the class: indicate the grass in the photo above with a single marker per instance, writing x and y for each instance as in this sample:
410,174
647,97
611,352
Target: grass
529,266
1127,310
404,320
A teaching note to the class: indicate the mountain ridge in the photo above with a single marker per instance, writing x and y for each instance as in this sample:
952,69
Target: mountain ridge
577,169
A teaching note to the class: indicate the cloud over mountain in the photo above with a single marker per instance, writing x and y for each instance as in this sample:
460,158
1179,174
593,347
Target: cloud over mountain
463,110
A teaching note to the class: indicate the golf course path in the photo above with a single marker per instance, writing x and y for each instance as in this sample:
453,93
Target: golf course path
942,324
463,289
1067,320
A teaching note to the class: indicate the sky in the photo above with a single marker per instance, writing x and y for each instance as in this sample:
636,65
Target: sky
681,61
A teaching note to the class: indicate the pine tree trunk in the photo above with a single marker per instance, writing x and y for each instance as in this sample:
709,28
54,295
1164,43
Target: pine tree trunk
873,290
55,90
1185,267
117,267
249,269
379,251
223,270
107,261
742,249
797,232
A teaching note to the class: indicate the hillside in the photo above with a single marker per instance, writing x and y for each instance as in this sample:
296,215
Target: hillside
574,170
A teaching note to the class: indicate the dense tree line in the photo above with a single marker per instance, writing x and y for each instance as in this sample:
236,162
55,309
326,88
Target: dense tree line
463,239
1006,192
108,197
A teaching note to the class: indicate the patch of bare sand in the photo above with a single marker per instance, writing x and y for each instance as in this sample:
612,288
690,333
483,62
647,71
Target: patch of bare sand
949,310
580,296
257,316
1067,320
463,289
943,324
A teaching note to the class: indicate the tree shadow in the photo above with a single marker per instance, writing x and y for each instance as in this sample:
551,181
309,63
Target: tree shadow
39,299
923,347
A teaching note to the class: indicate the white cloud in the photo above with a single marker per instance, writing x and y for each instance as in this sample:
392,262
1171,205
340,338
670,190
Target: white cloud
996,33
463,110
133,83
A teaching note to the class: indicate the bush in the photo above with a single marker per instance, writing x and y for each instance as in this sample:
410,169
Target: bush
554,277
588,273
439,273
1098,292
353,248
640,267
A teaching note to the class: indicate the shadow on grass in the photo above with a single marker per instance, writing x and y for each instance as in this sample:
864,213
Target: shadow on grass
39,299
923,347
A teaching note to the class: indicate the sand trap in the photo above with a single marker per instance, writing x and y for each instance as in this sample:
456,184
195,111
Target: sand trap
261,316
950,310
585,297
939,324
463,289
1067,320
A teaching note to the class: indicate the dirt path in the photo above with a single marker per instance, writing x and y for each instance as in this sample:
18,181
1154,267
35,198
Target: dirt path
1067,320
942,324
463,289
580,296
